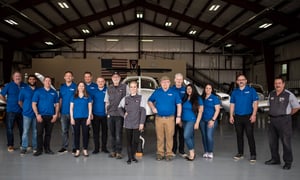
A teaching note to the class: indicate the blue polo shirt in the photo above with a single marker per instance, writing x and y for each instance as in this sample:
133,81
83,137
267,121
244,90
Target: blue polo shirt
12,91
90,88
65,94
243,100
46,100
181,90
98,102
209,107
81,108
187,110
165,101
25,96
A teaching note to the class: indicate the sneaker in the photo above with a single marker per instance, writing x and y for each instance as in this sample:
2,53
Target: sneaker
205,155
159,157
183,155
62,150
210,155
238,156
112,155
253,159
173,155
34,151
169,158
119,156
10,149
23,152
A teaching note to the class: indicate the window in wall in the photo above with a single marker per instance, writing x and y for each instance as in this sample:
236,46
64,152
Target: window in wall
284,69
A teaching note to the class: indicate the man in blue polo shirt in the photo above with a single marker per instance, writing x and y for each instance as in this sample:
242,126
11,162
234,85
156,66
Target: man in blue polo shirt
45,106
164,101
99,116
66,91
29,120
180,88
10,95
89,84
243,109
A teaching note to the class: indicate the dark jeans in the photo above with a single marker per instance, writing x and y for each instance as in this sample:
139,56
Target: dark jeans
43,139
179,131
243,123
281,128
115,124
96,123
85,133
132,142
11,118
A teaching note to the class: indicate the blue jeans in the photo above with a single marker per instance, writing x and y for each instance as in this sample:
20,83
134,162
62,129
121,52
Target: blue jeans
27,123
188,134
115,124
65,126
208,135
11,118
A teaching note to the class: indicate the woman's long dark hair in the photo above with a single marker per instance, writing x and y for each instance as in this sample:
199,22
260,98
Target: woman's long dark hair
85,94
212,90
193,98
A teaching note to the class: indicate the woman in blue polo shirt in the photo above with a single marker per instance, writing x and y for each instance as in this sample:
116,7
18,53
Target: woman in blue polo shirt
192,109
80,114
209,121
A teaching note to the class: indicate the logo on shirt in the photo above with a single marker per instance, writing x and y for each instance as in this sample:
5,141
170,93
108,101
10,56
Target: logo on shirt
281,99
72,89
210,99
247,92
170,94
52,94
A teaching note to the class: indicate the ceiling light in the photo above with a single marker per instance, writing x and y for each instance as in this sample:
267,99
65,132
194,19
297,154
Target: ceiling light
228,45
214,7
78,40
63,5
168,24
139,15
11,22
85,31
147,40
49,43
266,25
192,32
110,23
112,40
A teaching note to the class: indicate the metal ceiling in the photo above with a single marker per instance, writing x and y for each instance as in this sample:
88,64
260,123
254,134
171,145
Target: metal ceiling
236,21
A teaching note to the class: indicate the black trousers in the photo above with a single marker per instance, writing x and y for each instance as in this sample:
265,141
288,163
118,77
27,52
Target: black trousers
81,122
115,125
44,131
243,123
97,122
178,130
281,128
132,136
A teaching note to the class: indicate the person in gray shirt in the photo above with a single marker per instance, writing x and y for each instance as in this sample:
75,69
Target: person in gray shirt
115,92
132,108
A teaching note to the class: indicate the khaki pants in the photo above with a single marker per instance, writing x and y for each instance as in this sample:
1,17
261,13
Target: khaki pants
164,127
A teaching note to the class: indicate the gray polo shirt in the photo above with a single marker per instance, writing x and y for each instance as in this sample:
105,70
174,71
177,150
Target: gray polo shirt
283,103
135,106
113,96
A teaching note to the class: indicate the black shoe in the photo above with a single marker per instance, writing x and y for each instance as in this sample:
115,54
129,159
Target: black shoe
95,151
73,151
272,162
253,159
128,161
23,152
62,150
238,156
105,150
49,151
135,160
287,166
37,153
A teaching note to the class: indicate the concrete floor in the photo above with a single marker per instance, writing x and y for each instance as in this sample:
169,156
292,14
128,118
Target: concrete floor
65,166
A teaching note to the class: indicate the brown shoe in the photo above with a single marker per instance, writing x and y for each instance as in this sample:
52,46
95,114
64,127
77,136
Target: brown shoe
112,155
119,156
10,149
159,157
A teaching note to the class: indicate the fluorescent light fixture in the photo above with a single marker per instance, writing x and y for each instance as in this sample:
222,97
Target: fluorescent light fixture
49,43
112,40
168,24
11,22
192,32
110,23
85,31
228,45
139,15
63,5
78,40
214,7
147,40
266,25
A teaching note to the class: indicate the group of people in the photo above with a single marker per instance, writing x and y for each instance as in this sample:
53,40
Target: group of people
179,110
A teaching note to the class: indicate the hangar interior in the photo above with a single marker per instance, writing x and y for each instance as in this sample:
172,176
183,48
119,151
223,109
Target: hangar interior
208,40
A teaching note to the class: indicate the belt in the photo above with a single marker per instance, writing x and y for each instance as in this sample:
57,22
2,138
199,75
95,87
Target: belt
165,116
283,115
245,115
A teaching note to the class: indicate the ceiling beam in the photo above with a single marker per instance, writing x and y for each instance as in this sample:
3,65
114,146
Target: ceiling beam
20,5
